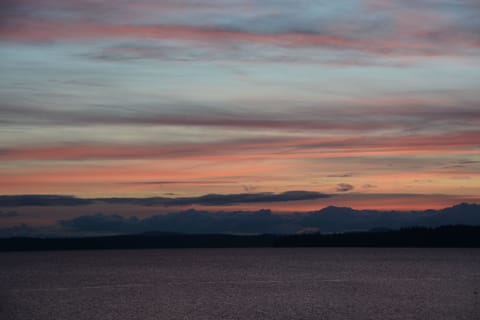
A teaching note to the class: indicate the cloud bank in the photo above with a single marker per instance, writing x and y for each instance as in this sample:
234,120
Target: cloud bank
208,200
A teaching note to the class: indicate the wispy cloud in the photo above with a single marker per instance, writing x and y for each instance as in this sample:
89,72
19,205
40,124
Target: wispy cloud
261,148
209,199
41,200
40,31
372,114
406,32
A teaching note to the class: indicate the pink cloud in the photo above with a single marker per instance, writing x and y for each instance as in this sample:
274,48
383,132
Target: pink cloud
30,30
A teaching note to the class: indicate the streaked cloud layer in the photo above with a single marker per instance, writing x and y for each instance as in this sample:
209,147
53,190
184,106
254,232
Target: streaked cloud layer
374,101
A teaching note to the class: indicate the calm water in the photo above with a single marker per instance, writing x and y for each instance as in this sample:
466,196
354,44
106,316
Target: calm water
318,283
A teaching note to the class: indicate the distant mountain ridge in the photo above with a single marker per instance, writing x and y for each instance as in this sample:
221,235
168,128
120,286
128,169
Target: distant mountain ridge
338,218
327,220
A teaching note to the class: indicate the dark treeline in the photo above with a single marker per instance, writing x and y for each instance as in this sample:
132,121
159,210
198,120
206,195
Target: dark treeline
446,236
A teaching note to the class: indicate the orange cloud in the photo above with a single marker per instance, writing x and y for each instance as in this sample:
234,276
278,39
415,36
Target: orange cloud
446,143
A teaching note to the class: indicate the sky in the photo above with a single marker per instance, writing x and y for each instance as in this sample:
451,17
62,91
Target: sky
367,104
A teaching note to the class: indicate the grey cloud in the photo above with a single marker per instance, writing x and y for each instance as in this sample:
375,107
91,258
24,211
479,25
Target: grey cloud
209,199
84,10
41,200
240,52
344,187
366,118
467,162
218,199
342,175
249,188
181,182
423,181
222,199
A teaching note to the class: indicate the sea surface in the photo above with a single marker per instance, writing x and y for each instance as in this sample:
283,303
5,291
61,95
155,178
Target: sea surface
260,283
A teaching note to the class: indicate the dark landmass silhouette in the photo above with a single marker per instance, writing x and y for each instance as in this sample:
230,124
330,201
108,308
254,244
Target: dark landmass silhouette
445,236
327,220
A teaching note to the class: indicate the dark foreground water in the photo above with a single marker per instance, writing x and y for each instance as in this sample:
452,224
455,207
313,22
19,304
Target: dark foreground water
317,283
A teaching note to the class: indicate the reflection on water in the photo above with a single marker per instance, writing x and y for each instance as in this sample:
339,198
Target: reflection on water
283,283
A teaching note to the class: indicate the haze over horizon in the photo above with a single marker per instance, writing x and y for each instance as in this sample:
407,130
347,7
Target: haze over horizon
290,106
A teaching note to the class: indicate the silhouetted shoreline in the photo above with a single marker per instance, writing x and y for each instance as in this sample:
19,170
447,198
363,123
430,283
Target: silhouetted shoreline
445,236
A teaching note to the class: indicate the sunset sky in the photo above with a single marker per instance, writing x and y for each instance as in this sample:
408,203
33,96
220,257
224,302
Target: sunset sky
374,104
